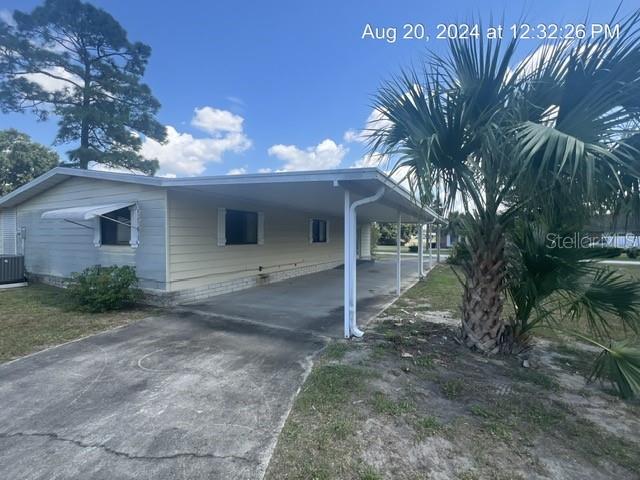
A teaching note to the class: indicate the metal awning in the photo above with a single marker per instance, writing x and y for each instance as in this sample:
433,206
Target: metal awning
84,213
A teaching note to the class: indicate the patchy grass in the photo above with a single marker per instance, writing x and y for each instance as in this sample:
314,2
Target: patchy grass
409,402
440,291
336,350
39,316
383,405
536,377
427,426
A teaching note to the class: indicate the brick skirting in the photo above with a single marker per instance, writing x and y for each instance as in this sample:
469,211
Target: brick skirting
162,298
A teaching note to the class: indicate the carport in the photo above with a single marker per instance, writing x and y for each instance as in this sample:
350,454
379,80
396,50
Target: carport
312,304
356,196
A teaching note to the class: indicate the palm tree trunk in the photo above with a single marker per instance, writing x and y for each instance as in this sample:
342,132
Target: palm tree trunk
483,298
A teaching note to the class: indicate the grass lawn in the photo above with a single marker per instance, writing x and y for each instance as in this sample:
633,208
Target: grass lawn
409,402
39,316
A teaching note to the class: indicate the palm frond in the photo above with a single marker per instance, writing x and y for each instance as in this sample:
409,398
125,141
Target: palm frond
618,364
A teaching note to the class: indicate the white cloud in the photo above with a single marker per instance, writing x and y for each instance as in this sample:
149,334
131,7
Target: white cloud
236,100
264,170
351,135
327,154
216,121
7,17
104,168
237,171
375,120
373,160
184,154
51,84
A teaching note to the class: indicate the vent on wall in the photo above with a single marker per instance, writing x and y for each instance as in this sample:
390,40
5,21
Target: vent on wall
8,232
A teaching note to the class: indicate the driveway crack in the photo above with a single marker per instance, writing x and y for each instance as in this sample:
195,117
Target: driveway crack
78,443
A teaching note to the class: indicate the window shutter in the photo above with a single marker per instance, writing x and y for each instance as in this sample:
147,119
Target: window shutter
135,227
327,225
260,228
8,232
222,221
97,234
311,230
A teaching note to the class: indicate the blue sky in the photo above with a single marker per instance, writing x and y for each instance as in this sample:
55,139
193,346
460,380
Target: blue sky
269,85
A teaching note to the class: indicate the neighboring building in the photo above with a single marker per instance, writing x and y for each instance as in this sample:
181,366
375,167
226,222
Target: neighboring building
190,238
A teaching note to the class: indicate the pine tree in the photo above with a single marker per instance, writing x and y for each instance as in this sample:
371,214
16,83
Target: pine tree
73,60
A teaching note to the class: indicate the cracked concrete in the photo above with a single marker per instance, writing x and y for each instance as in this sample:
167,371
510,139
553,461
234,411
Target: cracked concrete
185,395
128,456
176,396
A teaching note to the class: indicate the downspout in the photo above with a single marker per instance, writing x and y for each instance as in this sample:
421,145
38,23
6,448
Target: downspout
355,331
428,224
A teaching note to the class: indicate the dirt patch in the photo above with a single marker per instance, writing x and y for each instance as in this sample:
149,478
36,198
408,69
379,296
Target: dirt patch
409,402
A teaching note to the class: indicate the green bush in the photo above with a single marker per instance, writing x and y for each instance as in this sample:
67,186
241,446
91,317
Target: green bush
632,252
100,289
459,253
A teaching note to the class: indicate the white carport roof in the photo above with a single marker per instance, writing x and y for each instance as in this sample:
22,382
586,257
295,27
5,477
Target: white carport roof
312,191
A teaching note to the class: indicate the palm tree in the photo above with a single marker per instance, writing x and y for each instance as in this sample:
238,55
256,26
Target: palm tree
498,135
569,291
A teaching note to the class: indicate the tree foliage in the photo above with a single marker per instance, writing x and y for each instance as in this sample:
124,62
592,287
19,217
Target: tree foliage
22,160
541,143
506,138
75,61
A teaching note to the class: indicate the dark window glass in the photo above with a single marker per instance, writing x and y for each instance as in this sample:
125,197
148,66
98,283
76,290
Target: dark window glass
114,233
241,227
319,231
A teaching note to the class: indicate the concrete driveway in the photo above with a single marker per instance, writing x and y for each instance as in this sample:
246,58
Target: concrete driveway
180,396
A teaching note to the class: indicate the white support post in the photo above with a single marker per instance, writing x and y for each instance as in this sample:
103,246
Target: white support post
398,256
354,269
420,250
438,235
347,264
430,249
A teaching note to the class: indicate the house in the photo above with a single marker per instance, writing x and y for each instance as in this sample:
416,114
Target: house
191,238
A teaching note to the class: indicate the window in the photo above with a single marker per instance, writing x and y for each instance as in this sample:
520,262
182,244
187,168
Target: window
241,228
118,232
318,231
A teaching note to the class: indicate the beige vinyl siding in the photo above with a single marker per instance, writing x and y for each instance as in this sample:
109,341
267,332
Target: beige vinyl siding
58,248
195,259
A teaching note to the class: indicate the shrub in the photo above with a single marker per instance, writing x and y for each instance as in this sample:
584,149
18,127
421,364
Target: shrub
100,289
632,252
459,253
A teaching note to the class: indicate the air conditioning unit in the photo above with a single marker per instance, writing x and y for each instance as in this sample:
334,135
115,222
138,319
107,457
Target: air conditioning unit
11,269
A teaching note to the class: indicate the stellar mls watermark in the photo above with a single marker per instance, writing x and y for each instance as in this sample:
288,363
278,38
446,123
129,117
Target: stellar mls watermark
585,240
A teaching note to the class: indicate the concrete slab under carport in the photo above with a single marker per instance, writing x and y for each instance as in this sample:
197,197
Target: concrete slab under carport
314,302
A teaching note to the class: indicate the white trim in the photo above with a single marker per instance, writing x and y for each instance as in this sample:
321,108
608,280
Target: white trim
260,228
222,226
97,232
134,231
13,285
59,174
